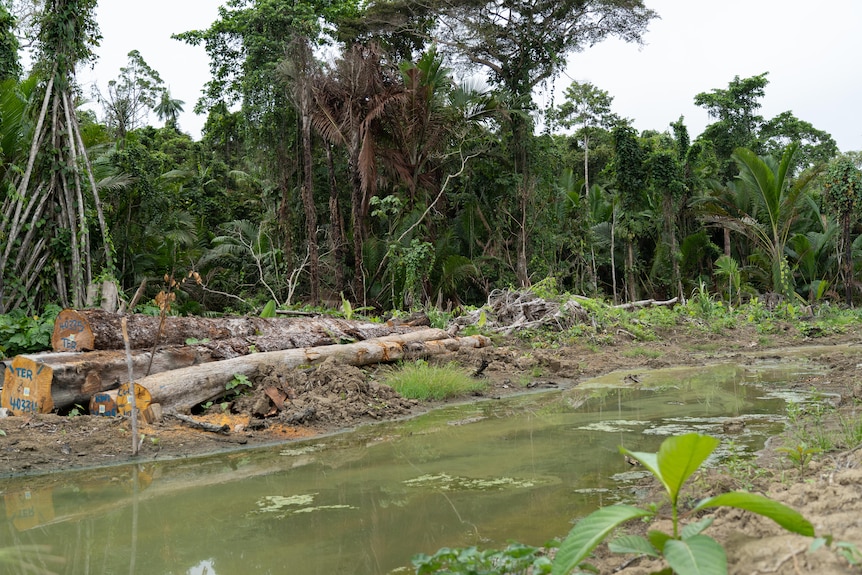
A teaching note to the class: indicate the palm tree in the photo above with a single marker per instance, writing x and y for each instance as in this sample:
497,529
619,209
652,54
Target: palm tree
351,103
168,109
773,205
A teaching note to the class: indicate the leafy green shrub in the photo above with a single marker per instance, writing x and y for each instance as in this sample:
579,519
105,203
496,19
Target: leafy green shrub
418,380
20,333
686,550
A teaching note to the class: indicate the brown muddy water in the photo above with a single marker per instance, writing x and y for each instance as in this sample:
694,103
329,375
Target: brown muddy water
365,502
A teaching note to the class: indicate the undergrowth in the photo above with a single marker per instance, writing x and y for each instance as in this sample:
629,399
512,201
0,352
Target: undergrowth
21,333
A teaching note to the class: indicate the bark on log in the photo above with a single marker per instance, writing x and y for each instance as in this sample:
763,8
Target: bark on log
96,329
47,381
182,389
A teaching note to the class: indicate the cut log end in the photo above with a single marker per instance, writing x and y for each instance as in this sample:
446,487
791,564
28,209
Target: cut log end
72,332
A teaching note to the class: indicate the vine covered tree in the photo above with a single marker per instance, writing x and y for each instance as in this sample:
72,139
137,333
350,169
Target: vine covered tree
10,66
844,197
57,190
630,177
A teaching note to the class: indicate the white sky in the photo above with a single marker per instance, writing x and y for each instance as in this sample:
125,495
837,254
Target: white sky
810,49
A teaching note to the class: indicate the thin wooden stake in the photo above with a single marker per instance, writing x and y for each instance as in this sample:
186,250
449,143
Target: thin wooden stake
132,399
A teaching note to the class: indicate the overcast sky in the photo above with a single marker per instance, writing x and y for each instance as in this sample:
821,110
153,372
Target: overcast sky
810,49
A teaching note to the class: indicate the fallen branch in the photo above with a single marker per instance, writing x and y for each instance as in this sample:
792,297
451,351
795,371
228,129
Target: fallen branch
203,425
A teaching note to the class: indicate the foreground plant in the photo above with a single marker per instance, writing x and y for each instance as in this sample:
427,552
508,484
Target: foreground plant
686,550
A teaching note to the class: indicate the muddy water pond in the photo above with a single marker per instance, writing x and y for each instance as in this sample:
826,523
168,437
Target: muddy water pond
366,501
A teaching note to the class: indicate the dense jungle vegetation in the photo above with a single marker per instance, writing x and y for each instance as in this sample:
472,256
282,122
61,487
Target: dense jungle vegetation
342,160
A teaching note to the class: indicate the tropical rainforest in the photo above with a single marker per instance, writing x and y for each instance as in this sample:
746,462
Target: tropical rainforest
345,159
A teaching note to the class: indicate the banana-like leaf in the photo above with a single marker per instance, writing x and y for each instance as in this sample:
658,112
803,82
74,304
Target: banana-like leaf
788,518
589,532
698,555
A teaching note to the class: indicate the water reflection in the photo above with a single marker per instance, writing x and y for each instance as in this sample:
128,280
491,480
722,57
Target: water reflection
365,502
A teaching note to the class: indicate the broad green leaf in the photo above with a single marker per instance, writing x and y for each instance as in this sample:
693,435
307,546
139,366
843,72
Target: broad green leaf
633,544
788,518
695,528
589,532
658,539
680,456
268,309
698,555
649,460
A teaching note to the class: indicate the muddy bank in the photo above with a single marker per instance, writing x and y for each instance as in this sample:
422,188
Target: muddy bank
334,397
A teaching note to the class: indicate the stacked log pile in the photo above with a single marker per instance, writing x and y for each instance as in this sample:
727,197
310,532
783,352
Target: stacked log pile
181,362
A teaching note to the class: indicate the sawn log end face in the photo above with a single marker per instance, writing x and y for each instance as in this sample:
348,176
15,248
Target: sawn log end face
72,332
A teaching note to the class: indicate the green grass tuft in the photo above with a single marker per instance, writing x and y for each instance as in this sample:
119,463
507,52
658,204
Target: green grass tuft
641,352
418,380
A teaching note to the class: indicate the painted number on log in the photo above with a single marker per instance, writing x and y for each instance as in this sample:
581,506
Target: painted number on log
103,404
71,327
142,398
27,387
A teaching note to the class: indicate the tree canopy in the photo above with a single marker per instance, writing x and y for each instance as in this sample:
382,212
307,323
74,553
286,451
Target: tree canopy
351,157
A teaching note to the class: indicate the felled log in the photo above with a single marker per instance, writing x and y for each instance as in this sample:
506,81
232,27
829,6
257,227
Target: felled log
47,381
646,303
182,389
96,329
42,382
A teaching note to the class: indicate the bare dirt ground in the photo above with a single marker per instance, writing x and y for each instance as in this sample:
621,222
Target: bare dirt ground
334,397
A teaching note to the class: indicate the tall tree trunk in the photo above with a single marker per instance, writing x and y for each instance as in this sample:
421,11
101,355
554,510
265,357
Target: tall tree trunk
613,258
308,202
285,221
336,229
670,237
521,264
519,143
631,288
357,221
586,163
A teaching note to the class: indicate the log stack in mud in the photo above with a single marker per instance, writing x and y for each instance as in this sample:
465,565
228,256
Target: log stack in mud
183,361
